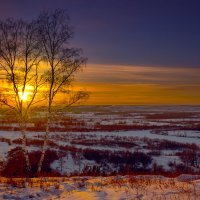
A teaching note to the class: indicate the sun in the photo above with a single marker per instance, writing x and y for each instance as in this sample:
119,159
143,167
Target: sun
24,96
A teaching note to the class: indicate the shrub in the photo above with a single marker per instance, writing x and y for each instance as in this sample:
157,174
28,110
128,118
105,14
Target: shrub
16,164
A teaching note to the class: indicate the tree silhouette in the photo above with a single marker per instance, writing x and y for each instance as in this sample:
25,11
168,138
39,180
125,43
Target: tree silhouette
20,57
62,61
37,60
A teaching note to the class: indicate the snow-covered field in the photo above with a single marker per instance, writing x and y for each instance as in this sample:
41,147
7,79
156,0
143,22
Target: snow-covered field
105,141
184,187
163,133
139,137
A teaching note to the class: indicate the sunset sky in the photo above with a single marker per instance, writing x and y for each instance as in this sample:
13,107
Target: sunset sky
139,51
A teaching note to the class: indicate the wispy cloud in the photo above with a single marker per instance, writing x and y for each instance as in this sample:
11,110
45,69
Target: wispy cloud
140,85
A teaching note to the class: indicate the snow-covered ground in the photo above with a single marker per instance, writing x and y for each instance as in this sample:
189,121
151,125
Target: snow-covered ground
102,188
138,137
112,128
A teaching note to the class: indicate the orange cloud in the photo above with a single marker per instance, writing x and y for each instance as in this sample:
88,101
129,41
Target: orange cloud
135,85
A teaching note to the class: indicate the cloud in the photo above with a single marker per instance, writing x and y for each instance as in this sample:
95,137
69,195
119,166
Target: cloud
139,74
111,84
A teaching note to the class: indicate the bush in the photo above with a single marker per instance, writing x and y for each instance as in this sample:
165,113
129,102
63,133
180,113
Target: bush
16,164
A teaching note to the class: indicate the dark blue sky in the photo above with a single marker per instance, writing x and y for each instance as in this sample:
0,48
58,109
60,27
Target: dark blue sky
126,32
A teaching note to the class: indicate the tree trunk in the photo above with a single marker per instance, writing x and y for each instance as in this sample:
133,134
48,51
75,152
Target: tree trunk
45,146
25,150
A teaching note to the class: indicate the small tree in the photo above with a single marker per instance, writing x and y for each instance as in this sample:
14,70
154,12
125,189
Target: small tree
20,57
62,63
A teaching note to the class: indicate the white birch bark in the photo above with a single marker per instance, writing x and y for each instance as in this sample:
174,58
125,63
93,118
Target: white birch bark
24,148
45,145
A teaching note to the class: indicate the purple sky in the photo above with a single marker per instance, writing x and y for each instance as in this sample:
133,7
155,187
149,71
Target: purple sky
126,32
139,51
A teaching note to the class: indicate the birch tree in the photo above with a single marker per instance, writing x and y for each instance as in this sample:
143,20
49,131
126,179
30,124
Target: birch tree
62,63
20,58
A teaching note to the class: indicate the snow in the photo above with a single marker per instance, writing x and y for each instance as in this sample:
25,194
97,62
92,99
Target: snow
142,134
173,136
65,138
164,160
102,188
69,165
17,134
114,115
185,133
4,147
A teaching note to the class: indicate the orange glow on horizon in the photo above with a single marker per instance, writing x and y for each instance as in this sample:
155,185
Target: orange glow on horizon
135,85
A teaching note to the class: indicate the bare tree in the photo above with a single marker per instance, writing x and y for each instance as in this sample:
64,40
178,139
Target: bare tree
20,57
62,63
